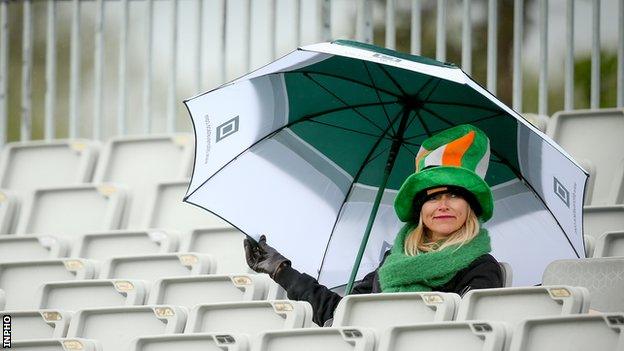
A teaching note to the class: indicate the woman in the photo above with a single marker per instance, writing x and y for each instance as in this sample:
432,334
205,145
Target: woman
442,246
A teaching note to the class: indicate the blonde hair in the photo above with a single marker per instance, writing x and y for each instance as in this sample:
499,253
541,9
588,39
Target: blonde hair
418,240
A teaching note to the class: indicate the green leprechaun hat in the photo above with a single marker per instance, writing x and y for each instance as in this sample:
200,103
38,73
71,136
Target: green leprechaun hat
458,157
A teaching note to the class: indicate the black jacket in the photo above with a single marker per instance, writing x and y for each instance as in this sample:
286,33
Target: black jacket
484,272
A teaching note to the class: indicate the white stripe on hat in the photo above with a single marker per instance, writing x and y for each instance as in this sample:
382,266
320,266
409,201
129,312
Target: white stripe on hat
435,157
483,164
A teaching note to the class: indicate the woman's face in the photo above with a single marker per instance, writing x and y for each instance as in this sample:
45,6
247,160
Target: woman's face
444,213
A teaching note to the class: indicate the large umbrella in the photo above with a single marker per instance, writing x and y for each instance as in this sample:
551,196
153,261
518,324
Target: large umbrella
312,148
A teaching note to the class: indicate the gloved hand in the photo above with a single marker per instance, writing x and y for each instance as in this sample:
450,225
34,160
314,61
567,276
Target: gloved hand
262,258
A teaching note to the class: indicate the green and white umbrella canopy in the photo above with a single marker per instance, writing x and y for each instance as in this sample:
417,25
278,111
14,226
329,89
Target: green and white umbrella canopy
299,149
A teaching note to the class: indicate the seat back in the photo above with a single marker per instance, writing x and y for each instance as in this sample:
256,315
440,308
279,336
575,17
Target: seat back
141,162
601,276
153,267
71,211
25,166
105,245
166,209
316,339
392,309
598,220
38,324
610,244
9,210
191,291
115,327
20,280
224,244
78,295
191,342
249,317
569,129
570,333
511,305
31,247
445,336
56,345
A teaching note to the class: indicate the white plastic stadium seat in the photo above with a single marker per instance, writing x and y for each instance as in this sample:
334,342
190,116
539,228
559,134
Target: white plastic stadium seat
570,130
191,342
20,280
249,317
603,278
141,162
105,245
191,291
225,245
598,220
511,305
392,309
507,274
78,295
115,327
610,244
2,299
316,339
9,209
42,164
445,336
590,244
165,209
571,333
538,121
153,267
31,247
70,211
56,345
38,324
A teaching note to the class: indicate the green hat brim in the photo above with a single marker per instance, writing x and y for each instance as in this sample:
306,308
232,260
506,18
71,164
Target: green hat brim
440,176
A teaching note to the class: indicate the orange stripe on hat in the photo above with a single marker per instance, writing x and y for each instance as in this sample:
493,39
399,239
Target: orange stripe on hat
456,149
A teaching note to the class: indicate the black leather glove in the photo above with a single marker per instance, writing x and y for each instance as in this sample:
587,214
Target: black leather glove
262,258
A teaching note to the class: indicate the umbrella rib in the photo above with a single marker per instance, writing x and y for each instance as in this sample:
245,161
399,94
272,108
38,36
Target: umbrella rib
307,75
370,76
474,121
355,179
462,105
408,149
346,129
438,81
338,109
345,79
383,69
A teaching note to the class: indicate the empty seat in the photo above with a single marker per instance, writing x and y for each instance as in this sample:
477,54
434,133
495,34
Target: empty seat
38,324
507,273
191,291
392,309
316,339
249,317
20,280
445,336
191,342
153,267
590,244
166,209
69,211
78,295
601,276
511,305
598,220
142,162
570,333
30,247
9,208
225,245
569,129
115,327
610,244
38,164
102,246
56,345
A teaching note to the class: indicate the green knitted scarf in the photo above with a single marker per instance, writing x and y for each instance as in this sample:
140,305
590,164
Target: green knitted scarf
425,271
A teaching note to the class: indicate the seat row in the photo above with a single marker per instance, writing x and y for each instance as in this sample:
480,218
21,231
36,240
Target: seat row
483,321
